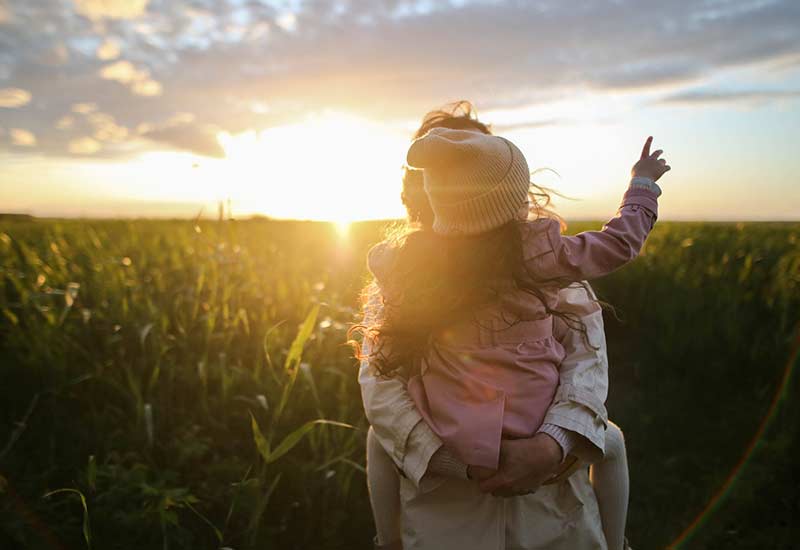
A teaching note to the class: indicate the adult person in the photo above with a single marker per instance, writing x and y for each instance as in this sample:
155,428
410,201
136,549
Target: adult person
557,515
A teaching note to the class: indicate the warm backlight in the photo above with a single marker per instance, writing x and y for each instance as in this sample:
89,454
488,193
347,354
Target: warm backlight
331,167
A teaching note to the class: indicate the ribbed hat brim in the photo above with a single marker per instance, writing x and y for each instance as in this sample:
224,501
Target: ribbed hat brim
487,211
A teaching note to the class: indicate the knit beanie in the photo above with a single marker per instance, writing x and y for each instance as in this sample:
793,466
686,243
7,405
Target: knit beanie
475,182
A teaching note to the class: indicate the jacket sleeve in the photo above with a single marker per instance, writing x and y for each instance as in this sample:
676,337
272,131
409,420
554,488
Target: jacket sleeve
397,424
579,403
592,254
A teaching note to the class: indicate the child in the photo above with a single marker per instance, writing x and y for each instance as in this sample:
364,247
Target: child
470,306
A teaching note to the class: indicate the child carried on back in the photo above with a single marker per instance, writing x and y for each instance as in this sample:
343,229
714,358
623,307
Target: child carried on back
468,309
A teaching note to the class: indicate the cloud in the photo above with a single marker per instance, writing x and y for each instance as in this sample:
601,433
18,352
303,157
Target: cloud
108,50
499,54
65,122
105,128
287,21
114,9
141,63
11,98
198,139
147,87
708,97
139,80
83,146
22,137
84,108
123,71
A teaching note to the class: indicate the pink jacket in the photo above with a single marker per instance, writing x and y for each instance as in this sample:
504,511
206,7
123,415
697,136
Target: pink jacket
484,378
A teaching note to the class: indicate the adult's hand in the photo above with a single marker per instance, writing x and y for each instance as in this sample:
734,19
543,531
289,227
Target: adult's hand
524,465
479,473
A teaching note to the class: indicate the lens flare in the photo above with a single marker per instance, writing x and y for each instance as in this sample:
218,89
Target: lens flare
719,497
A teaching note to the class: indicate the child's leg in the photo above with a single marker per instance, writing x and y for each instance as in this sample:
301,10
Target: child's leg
384,493
610,482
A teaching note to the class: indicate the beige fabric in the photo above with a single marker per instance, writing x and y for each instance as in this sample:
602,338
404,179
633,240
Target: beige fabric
475,182
383,483
612,487
455,515
579,404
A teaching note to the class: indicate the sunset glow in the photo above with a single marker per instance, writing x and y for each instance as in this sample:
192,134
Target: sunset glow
325,167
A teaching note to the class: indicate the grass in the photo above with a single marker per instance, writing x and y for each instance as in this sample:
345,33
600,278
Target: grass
180,385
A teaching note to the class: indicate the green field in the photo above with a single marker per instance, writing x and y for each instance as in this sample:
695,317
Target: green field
149,368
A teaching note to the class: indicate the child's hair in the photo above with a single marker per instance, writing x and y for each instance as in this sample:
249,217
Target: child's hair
437,280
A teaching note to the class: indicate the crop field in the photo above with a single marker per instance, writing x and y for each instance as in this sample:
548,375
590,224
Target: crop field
178,384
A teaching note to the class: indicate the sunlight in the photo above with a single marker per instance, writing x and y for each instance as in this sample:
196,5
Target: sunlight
331,166
342,229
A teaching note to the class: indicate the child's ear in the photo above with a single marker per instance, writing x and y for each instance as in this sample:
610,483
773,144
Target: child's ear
524,211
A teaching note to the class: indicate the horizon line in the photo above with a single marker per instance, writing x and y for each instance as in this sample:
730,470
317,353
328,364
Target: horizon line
10,216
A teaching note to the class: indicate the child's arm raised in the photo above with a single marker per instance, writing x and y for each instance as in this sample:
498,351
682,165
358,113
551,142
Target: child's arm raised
592,254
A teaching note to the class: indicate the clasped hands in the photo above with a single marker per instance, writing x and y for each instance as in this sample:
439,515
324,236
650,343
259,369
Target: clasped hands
524,465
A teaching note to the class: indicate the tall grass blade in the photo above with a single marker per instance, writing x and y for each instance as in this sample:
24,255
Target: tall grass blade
87,533
261,442
255,519
294,438
292,363
207,521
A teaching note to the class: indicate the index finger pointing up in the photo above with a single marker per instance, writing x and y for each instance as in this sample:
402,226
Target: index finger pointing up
646,148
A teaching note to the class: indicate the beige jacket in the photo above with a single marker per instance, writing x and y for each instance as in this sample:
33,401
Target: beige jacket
441,513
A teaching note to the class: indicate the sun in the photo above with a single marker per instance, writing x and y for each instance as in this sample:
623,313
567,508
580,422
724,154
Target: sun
342,228
330,166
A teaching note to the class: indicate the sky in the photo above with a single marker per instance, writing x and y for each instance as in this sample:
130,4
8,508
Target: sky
305,108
